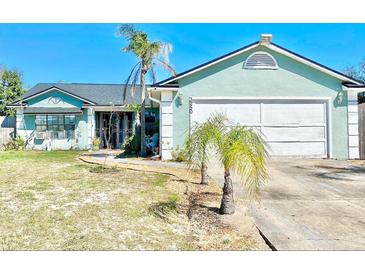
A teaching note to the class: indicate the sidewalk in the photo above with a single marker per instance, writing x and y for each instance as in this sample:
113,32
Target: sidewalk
112,158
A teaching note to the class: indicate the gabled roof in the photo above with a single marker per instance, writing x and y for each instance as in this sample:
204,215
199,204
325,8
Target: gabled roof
173,81
94,94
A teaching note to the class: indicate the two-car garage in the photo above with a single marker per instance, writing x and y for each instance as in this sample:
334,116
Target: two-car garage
291,126
301,107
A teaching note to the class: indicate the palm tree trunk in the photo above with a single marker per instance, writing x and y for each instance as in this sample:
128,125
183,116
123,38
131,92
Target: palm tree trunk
143,109
204,174
227,203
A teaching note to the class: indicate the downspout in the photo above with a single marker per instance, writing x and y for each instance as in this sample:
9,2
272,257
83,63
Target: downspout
22,107
160,121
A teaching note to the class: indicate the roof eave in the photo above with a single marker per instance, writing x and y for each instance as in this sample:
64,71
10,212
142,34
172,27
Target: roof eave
271,46
57,88
351,85
207,64
312,63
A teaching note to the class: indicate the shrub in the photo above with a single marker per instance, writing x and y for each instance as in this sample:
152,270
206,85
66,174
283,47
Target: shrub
179,155
16,143
131,145
96,142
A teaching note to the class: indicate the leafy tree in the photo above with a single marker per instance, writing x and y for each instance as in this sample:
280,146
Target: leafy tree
11,88
149,54
357,72
199,144
240,150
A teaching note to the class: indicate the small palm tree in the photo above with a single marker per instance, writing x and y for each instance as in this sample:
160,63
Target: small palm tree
149,55
198,145
241,151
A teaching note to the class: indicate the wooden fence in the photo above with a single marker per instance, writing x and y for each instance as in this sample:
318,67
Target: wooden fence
7,129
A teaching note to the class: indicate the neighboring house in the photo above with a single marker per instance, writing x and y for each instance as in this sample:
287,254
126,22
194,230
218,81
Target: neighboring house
69,116
301,107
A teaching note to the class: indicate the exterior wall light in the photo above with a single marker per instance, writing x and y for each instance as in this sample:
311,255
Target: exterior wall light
180,98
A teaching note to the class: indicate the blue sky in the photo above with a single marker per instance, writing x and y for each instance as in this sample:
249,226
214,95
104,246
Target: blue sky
91,52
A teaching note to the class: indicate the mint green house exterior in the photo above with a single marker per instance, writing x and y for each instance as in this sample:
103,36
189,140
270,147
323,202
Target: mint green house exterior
302,108
26,122
60,116
284,84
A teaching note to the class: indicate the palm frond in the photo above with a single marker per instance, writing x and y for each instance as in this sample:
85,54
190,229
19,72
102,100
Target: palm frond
127,31
199,145
243,151
135,80
166,49
167,66
153,74
127,82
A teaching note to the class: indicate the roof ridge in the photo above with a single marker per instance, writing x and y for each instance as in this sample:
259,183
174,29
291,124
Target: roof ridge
80,83
315,64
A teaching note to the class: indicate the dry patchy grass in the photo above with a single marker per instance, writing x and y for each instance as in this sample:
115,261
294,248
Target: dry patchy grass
52,201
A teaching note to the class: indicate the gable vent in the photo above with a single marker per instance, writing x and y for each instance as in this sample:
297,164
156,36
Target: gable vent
260,60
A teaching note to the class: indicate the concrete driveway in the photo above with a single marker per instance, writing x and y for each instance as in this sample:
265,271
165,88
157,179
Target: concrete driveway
311,204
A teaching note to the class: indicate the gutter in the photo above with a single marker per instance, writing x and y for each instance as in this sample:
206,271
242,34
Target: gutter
160,120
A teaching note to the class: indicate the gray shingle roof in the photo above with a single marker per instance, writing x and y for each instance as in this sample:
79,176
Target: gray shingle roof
55,110
101,94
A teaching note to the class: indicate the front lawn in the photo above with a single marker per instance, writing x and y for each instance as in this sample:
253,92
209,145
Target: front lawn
53,201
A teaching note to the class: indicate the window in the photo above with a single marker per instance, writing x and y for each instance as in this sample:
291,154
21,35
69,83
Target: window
260,60
58,126
151,126
41,123
70,126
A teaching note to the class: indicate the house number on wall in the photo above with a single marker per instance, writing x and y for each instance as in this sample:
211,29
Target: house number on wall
55,100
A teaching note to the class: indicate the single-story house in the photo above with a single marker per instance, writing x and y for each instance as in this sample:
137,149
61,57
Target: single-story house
301,107
71,115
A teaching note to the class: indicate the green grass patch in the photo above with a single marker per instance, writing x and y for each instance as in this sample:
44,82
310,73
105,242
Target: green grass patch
164,209
44,156
103,169
40,186
26,196
160,180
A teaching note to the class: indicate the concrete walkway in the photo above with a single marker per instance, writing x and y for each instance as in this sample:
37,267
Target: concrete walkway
111,156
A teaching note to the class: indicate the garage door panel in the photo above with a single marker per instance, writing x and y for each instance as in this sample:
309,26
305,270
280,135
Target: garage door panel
294,133
244,114
297,148
291,127
302,114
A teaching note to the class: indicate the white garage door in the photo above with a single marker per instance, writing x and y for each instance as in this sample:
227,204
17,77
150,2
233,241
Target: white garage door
290,127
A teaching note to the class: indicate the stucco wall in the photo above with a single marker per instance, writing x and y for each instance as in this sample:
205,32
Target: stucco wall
228,78
44,100
25,124
26,130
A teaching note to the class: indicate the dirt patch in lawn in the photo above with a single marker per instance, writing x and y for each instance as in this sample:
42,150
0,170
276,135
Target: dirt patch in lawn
52,201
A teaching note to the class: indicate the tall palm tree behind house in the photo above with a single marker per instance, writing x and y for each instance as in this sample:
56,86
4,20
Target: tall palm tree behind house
149,54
